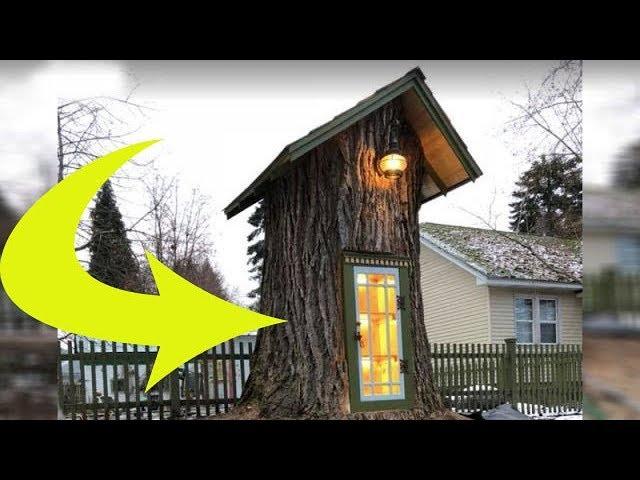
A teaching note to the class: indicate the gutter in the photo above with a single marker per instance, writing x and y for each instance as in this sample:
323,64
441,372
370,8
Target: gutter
517,283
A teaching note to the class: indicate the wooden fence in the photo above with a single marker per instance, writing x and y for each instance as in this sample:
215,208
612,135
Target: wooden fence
106,381
535,379
100,380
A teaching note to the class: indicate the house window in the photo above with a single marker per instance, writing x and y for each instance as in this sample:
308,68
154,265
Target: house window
536,320
548,321
628,253
524,320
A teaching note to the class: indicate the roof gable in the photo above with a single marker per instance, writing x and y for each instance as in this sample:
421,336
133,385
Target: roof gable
507,255
450,164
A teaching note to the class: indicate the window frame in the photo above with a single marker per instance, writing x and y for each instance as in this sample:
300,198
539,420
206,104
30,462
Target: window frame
536,336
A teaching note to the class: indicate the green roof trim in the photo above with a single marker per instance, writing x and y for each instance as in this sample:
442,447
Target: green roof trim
414,79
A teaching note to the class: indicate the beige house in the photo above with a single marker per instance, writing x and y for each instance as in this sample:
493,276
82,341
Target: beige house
483,286
611,230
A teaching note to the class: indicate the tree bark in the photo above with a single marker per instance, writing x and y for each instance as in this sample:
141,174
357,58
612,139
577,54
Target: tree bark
331,201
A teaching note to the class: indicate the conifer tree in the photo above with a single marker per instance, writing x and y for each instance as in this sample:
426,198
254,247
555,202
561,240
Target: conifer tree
112,259
549,198
626,172
256,251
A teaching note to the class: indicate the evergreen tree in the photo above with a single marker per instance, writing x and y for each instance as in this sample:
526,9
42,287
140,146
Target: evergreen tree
112,259
626,173
549,198
7,221
256,251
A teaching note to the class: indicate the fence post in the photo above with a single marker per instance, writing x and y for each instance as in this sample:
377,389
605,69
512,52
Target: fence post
510,368
174,394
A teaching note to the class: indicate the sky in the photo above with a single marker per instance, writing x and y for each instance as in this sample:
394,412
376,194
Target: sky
611,115
222,123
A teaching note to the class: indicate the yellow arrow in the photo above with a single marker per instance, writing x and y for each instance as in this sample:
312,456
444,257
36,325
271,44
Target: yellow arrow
41,274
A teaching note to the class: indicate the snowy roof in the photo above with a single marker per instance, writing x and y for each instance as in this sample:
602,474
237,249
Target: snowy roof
611,209
507,255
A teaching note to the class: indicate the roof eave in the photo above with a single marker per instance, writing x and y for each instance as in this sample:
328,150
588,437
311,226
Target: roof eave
413,79
529,283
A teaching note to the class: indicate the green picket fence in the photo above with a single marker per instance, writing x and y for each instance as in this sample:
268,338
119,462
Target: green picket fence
535,379
612,292
106,381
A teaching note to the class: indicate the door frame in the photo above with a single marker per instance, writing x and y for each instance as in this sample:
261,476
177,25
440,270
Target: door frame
351,261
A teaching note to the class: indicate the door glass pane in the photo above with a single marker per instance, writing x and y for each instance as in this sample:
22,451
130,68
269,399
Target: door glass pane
391,298
379,347
393,337
547,310
548,333
362,300
524,332
364,334
395,369
379,335
376,299
381,389
366,370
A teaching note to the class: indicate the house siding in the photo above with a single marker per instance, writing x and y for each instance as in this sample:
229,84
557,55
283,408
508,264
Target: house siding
456,309
599,251
501,302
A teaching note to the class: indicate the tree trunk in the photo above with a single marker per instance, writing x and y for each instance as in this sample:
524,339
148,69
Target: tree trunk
331,201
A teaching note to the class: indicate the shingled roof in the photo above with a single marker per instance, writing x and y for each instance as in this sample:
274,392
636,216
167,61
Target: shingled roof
507,255
448,162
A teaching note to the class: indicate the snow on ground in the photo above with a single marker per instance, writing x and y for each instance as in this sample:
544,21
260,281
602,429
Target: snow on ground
542,415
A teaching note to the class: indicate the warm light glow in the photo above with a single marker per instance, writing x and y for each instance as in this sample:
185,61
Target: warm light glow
392,165
379,334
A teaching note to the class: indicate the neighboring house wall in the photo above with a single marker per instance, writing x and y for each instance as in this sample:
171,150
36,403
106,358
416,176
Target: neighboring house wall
455,307
502,313
599,251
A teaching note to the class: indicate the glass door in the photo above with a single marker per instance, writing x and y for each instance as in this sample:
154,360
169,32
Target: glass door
378,334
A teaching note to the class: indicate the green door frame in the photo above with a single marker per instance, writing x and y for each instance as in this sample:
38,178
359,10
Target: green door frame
351,260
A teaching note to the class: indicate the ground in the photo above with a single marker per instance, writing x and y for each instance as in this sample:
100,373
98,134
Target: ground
611,368
251,413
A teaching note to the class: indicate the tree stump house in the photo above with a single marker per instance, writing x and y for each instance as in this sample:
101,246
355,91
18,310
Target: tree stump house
341,260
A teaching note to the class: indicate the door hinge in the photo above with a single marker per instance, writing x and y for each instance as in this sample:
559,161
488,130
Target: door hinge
400,302
404,366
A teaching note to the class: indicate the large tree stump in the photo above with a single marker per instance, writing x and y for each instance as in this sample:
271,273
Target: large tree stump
331,201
